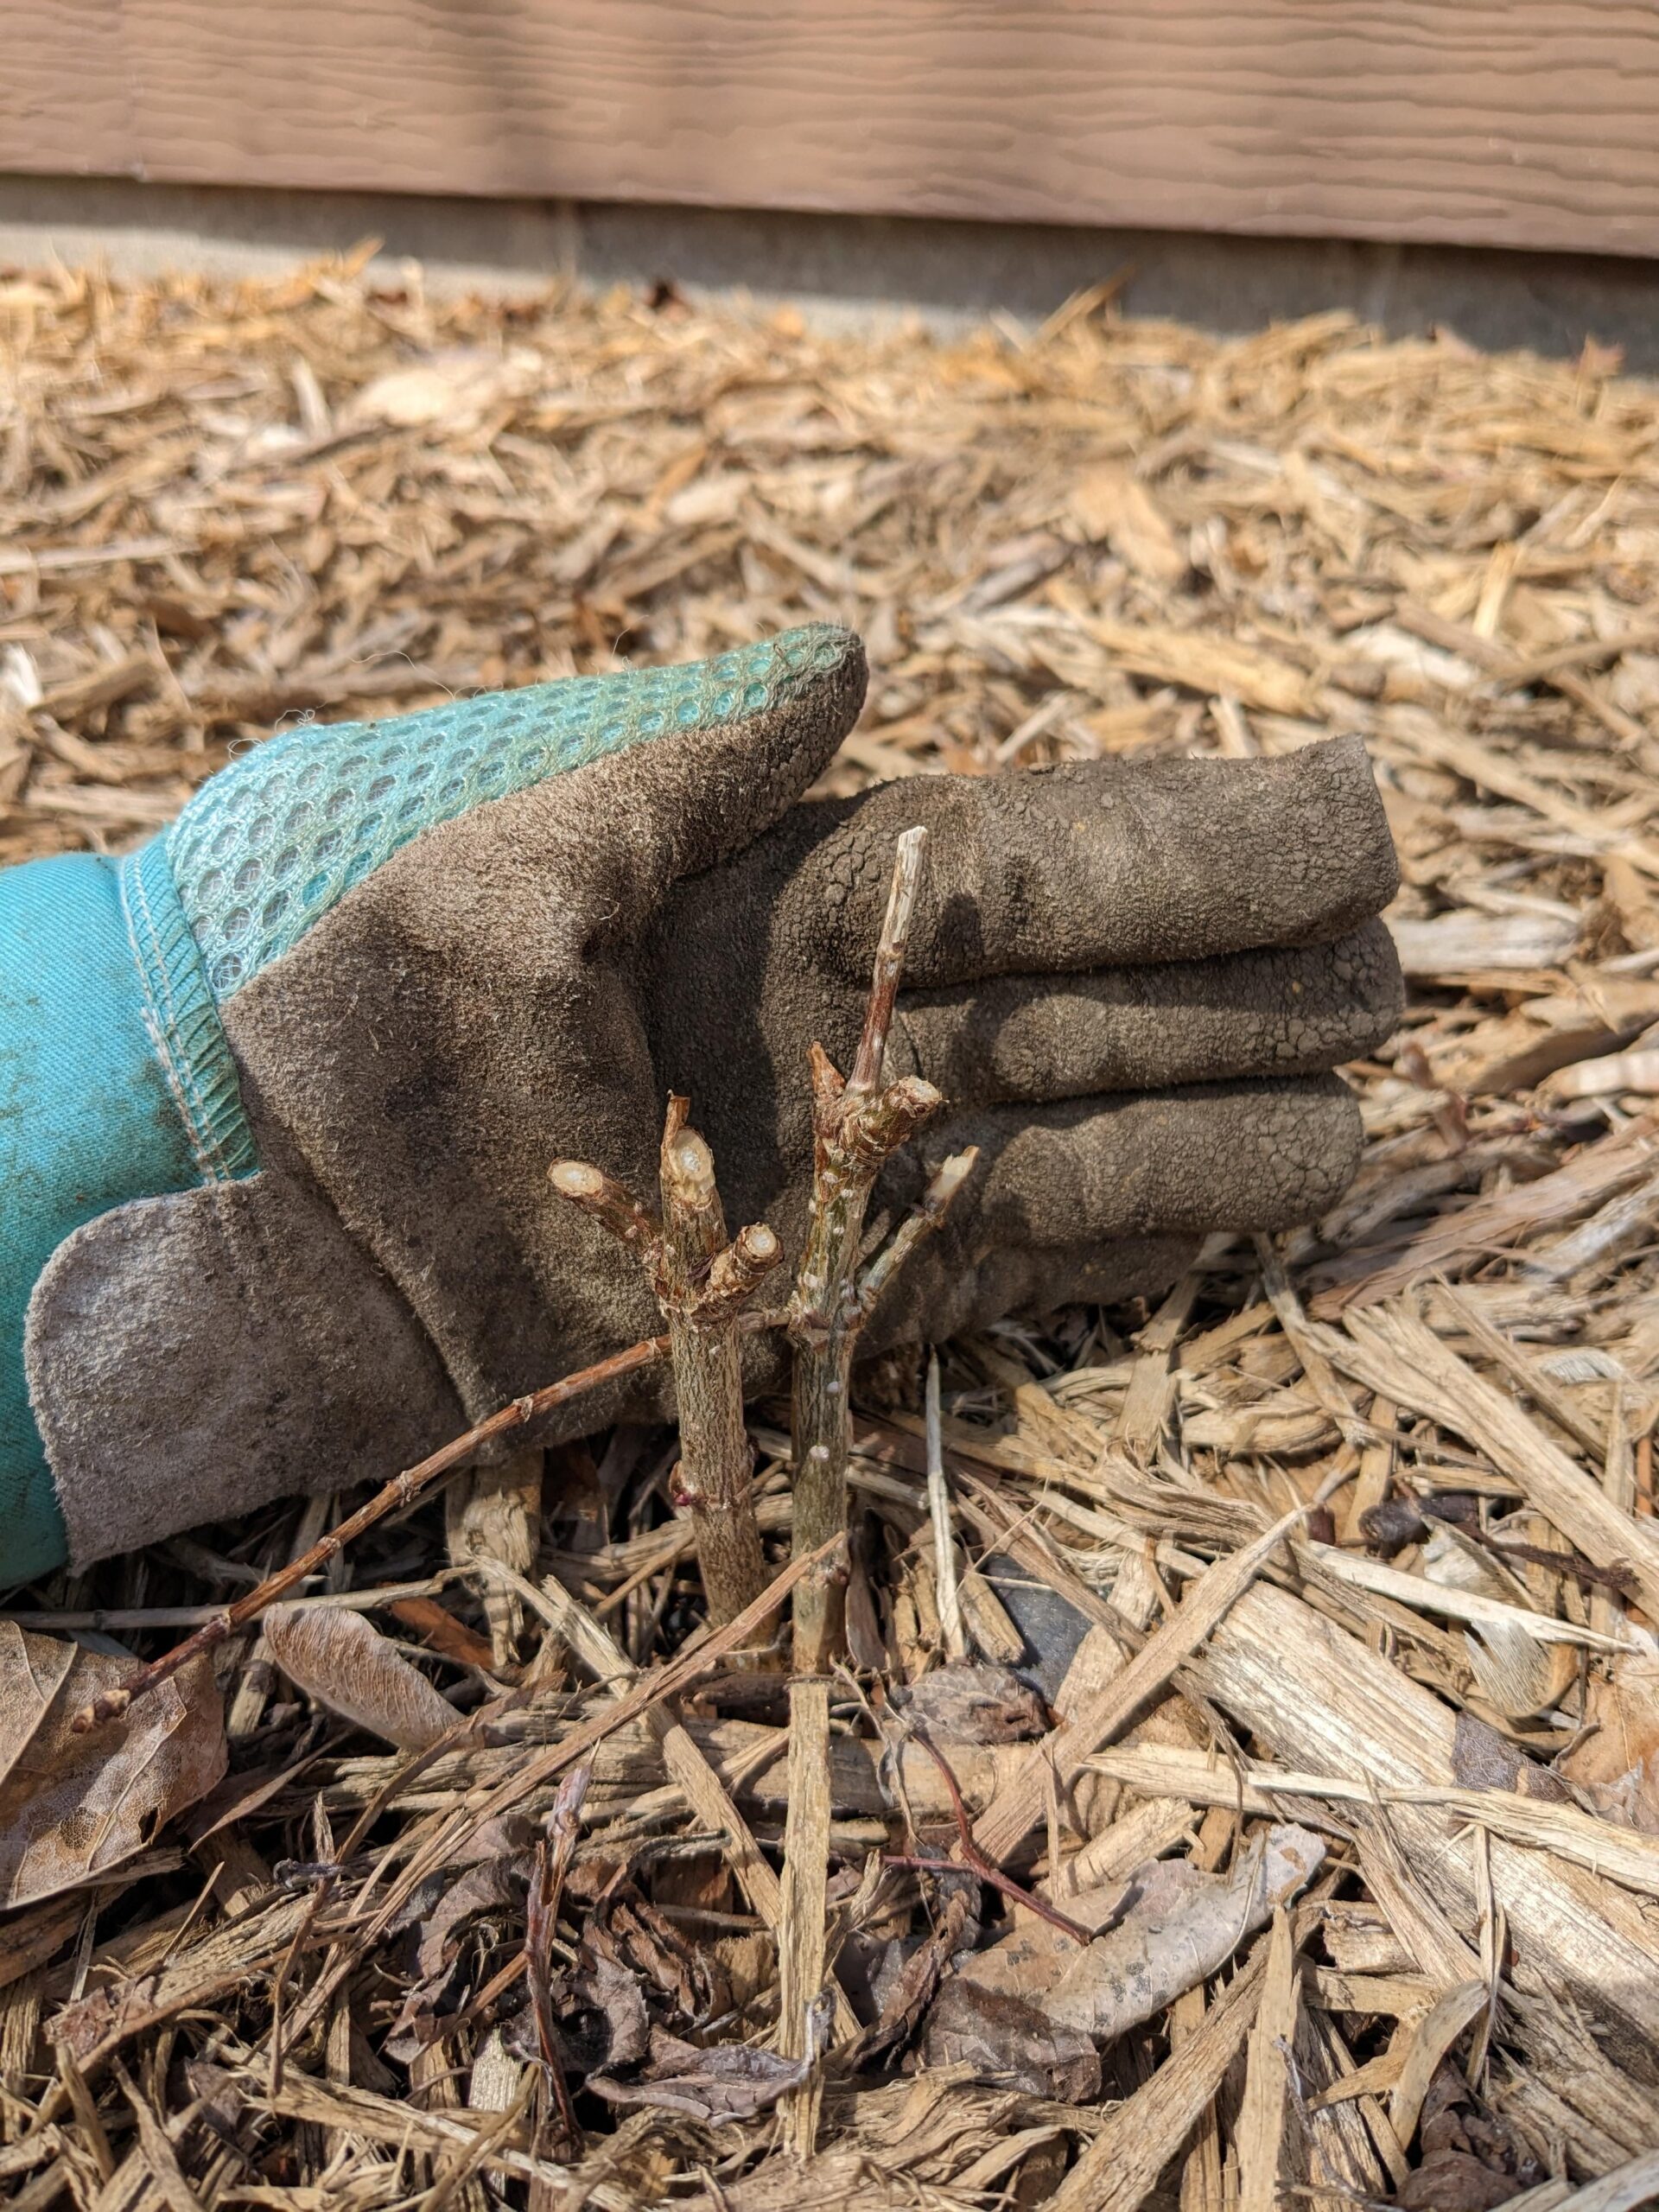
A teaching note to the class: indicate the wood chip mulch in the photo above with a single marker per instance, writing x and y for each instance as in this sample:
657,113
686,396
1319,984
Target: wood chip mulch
1360,1819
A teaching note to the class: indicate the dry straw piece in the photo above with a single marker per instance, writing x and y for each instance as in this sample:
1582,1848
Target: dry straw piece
1355,1533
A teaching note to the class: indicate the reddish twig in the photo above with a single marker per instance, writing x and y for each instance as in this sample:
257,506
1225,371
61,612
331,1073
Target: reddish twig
974,1860
401,1491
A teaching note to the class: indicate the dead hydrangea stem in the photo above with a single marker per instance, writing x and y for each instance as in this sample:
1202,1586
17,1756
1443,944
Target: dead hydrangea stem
700,1281
825,1317
856,1125
401,1491
713,1481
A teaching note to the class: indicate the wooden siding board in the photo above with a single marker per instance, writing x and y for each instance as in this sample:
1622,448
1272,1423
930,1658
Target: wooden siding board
1521,123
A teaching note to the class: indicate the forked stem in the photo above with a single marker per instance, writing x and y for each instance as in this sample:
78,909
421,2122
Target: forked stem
856,1126
701,1282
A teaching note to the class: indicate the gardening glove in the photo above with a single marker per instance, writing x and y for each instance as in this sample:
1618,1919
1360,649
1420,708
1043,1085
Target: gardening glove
390,973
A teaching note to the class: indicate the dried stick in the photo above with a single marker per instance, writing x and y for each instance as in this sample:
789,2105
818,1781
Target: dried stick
712,1479
939,1509
950,1176
975,1860
856,1125
803,1953
401,1491
700,1281
553,1857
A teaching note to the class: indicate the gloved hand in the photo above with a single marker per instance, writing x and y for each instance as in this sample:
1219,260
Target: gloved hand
395,972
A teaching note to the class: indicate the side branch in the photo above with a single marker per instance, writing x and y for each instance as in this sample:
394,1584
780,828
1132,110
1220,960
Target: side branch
948,1179
611,1203
401,1491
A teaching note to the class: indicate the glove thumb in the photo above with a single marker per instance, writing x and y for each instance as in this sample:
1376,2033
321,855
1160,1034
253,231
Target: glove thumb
707,787
718,750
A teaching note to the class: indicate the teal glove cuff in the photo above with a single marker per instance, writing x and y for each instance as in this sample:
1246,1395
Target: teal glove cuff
181,1016
86,1123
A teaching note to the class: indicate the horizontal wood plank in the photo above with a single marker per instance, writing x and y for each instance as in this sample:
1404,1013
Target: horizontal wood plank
1515,123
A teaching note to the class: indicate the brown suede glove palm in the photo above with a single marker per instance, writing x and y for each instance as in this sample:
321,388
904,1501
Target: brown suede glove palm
1131,982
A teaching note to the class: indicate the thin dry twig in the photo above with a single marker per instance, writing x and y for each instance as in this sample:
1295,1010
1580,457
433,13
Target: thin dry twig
553,1856
402,1491
938,1506
973,1859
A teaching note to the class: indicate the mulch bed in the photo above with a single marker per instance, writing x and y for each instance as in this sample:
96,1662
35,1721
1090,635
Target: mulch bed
1362,1822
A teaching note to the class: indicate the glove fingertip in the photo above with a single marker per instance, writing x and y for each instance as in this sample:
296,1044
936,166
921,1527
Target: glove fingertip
1337,790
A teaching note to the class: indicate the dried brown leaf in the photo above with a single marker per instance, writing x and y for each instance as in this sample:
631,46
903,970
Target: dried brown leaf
916,1981
974,1704
1454,2180
615,1993
1180,1927
342,1660
724,2081
74,1806
1006,2039
1618,1763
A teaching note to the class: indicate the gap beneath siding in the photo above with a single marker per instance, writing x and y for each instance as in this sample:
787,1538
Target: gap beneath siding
846,270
